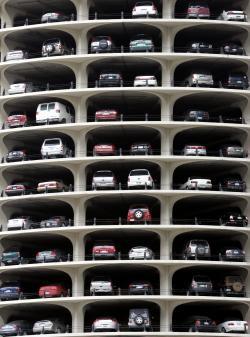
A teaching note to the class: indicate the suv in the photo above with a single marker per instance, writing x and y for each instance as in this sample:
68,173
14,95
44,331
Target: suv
232,48
55,147
141,43
232,150
199,79
233,286
17,255
104,180
101,44
17,119
53,112
55,46
234,219
20,222
196,116
144,9
196,249
198,10
106,250
139,319
21,88
141,149
200,285
140,178
235,81
139,214
17,54
110,79
200,47
101,285
233,16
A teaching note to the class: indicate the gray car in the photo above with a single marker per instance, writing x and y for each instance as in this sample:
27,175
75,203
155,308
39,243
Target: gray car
139,319
16,328
51,255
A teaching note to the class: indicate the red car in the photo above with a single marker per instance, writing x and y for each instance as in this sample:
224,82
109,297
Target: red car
104,150
19,188
198,10
104,250
17,119
106,115
55,290
139,214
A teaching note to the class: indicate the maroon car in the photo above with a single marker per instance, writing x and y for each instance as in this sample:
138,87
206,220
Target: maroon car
106,115
104,150
17,119
19,188
105,250
198,10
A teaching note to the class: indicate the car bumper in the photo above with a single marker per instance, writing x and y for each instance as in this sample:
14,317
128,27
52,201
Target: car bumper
103,185
140,48
14,193
109,83
104,256
47,259
9,296
14,159
44,121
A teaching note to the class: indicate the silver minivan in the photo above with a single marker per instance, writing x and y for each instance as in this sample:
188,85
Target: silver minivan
53,112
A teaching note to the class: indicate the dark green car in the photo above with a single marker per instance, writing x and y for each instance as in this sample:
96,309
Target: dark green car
141,43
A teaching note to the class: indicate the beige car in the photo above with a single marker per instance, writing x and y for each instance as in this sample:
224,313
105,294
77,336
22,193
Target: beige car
52,186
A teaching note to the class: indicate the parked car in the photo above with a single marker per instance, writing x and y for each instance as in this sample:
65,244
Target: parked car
202,324
141,43
49,325
19,188
196,115
104,179
141,149
55,221
105,324
140,288
56,47
52,186
232,150
201,47
232,253
196,249
16,155
54,148
194,150
144,9
107,115
21,88
145,81
233,15
141,253
233,325
233,286
104,150
139,213
102,44
200,285
232,48
101,285
20,222
235,81
53,112
110,79
53,290
231,118
17,255
17,54
198,10
232,183
17,119
16,328
234,219
197,183
104,250
199,79
52,255
14,290
54,17
139,319
140,178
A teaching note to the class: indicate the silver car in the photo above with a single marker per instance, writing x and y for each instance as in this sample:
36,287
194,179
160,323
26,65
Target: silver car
52,255
16,328
56,46
105,324
104,179
50,325
140,253
15,55
101,285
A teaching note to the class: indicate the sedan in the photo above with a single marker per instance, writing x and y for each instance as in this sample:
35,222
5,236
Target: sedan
201,47
140,253
52,186
194,150
232,326
106,115
54,17
232,254
232,183
55,221
145,81
197,184
234,219
141,43
16,328
232,150
19,188
104,251
141,149
50,325
203,324
20,222
53,290
232,48
233,16
104,150
140,288
16,155
52,255
105,324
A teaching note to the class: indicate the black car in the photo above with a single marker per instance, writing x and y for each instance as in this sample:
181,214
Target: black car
17,255
201,324
140,288
200,285
232,183
234,219
110,79
16,155
201,47
232,253
196,116
235,81
232,48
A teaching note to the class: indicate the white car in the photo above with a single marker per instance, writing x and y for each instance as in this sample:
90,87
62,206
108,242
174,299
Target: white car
233,326
101,285
201,79
51,325
53,112
20,88
145,81
55,147
194,150
140,253
16,55
197,184
144,9
105,324
140,178
233,16
19,222
103,180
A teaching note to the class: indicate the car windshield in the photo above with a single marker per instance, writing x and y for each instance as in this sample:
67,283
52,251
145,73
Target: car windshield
201,278
198,5
52,142
199,242
52,41
11,254
98,38
14,113
139,173
237,76
103,174
144,3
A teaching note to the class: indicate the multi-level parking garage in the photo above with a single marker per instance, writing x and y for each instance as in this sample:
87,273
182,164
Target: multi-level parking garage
171,110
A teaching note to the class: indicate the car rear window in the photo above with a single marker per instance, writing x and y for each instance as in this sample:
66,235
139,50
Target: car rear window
144,3
138,173
52,141
52,41
201,279
51,106
103,174
43,107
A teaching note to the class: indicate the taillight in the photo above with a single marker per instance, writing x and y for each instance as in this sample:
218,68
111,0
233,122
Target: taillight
213,323
194,284
230,324
197,322
53,253
231,217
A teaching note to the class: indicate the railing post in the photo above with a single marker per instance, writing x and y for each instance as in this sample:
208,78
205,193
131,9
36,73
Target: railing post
95,15
94,222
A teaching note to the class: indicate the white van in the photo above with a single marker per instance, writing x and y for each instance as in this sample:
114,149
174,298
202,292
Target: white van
53,112
55,147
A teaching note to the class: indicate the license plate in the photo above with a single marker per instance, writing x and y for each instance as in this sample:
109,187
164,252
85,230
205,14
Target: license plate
104,251
47,292
14,188
8,291
237,184
239,81
203,286
236,252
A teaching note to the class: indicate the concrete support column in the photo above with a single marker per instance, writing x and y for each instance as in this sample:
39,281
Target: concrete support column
166,145
78,319
165,76
166,41
164,246
165,108
168,9
82,79
78,288
164,319
83,110
164,281
83,11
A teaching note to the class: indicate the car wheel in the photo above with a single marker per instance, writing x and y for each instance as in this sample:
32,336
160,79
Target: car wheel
58,330
138,214
223,330
62,295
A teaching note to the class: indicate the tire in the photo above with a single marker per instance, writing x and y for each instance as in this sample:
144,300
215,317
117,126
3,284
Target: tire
139,320
138,214
223,330
58,330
